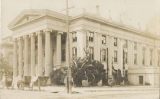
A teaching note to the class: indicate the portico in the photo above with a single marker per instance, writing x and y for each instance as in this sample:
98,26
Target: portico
38,49
41,44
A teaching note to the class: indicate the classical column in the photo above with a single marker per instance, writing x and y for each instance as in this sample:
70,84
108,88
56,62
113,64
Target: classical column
139,54
97,46
15,67
33,57
48,66
120,54
110,54
81,43
130,53
147,57
67,51
26,56
58,55
20,67
40,56
155,57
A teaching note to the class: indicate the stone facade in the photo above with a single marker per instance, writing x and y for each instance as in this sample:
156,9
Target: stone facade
40,45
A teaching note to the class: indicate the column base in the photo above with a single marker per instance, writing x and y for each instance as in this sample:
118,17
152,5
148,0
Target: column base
34,79
15,83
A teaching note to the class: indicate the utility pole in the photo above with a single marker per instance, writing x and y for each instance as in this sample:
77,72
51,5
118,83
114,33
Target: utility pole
69,85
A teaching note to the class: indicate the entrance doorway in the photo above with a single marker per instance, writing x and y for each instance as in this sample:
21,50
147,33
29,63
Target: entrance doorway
141,80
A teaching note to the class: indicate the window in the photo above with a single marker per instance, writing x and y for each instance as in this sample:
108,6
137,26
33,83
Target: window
135,58
64,38
151,56
74,36
90,36
135,45
115,56
63,55
141,80
143,56
103,55
74,51
91,51
115,41
103,39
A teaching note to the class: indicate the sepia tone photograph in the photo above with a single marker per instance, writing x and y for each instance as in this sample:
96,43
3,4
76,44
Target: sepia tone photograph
79,49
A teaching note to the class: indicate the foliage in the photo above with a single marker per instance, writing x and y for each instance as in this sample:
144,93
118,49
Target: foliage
4,63
4,66
85,69
58,76
82,69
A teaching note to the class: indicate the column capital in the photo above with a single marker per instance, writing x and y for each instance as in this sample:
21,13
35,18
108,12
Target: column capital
20,38
38,32
15,39
32,35
59,33
25,36
47,30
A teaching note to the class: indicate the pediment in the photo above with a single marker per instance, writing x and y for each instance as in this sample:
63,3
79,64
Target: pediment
24,17
29,15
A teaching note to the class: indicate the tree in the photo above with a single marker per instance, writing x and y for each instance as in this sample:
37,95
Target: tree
5,70
87,69
58,76
4,65
82,69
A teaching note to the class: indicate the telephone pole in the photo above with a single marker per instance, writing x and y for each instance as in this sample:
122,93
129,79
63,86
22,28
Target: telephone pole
69,85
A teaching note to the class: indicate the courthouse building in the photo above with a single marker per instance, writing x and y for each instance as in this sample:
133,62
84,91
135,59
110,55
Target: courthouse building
39,45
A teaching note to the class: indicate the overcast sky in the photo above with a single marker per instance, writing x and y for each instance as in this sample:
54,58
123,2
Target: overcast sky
132,12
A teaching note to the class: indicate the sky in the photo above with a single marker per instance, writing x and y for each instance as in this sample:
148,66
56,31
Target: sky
135,13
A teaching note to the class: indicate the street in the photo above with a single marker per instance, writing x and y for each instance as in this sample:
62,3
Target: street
129,92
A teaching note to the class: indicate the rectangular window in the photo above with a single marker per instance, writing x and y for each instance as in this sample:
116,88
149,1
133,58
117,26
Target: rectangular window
115,56
103,39
141,80
63,55
64,38
103,55
115,41
74,52
91,36
135,58
74,36
143,56
91,51
151,56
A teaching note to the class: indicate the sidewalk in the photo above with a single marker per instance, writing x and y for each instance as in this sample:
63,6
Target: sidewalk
59,92
59,89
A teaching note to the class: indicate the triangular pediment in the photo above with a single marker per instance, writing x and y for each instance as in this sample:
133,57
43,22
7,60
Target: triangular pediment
25,16
29,15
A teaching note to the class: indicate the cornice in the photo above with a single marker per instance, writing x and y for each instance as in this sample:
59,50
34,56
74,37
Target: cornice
86,16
